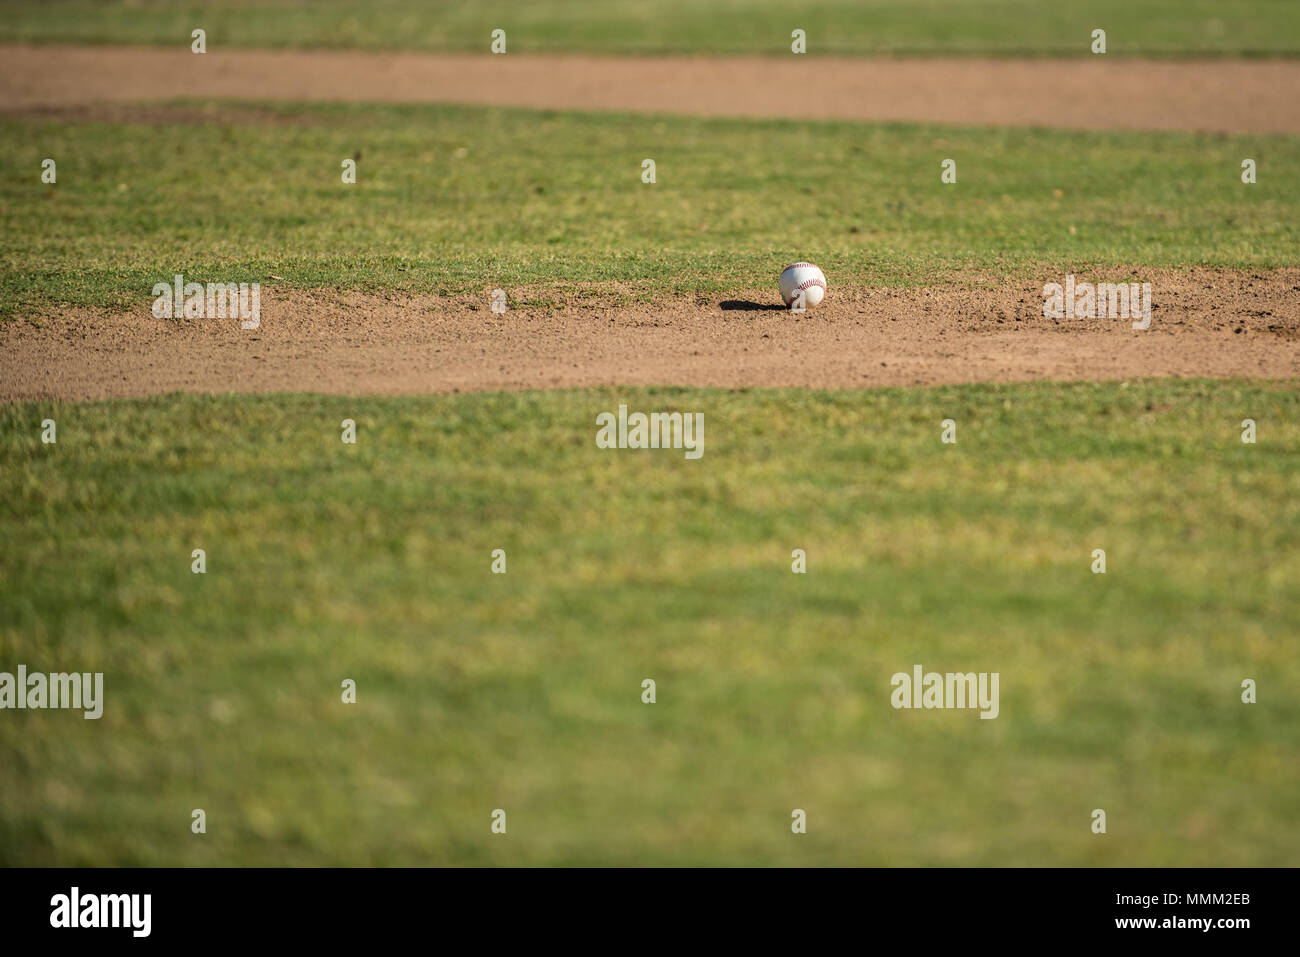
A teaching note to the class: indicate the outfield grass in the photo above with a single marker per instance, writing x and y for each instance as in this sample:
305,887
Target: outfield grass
453,199
1001,27
479,691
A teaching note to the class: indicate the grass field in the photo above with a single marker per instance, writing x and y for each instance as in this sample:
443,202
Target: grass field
462,199
1002,27
476,691
479,691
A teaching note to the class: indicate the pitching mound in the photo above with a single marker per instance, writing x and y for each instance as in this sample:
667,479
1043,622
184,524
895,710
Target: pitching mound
1205,322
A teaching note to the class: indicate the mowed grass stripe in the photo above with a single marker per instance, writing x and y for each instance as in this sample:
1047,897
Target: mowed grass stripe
1000,27
464,199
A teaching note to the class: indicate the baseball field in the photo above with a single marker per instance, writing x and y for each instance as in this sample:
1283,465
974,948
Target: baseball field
359,573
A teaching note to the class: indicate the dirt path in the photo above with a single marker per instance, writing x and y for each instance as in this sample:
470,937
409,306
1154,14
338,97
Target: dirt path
1205,323
1095,93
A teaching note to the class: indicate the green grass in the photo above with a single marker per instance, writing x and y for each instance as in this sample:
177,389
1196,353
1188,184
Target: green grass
478,691
463,199
1001,27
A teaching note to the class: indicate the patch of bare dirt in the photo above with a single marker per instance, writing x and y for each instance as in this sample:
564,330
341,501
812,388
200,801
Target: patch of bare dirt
1205,322
1095,93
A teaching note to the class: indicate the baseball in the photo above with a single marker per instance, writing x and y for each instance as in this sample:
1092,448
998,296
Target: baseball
805,277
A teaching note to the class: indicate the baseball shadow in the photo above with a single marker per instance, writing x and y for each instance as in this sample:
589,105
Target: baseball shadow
745,305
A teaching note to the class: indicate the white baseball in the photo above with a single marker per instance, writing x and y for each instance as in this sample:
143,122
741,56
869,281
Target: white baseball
805,277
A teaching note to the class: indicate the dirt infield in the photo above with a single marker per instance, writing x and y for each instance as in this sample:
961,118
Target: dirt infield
1209,322
1206,322
1096,93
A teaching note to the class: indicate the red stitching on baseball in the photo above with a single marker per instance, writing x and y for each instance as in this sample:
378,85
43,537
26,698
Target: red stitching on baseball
805,285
